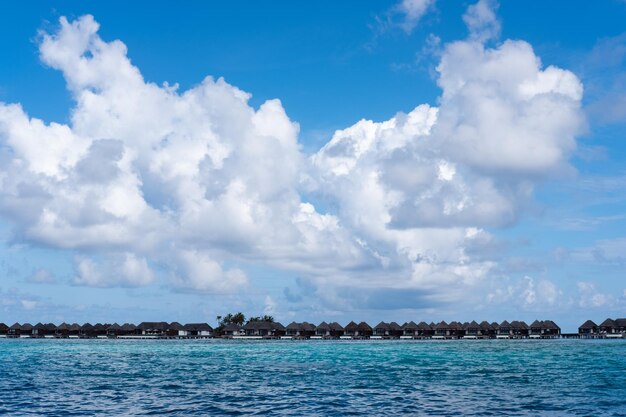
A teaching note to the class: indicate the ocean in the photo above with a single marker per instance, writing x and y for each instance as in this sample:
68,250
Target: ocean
312,378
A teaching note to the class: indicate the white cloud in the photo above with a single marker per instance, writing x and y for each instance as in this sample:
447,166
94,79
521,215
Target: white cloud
42,276
589,296
481,20
413,11
196,182
527,293
125,269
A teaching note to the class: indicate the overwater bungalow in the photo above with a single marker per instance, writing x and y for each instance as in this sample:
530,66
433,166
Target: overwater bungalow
86,331
175,329
26,330
153,328
263,329
198,330
381,330
545,329
351,330
442,330
486,330
620,325
129,329
39,330
588,330
322,330
62,331
113,330
504,330
456,330
231,330
425,330
519,329
472,330
99,330
395,330
336,330
4,330
15,330
299,330
608,327
75,330
409,330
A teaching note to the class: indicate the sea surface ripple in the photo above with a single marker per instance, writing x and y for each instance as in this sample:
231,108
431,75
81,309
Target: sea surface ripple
313,378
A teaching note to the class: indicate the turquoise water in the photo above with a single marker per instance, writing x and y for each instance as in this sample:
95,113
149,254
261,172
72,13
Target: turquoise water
322,378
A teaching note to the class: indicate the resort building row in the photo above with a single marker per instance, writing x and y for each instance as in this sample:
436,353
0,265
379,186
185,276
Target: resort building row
608,329
545,329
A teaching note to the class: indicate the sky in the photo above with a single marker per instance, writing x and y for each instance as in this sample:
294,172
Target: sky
360,160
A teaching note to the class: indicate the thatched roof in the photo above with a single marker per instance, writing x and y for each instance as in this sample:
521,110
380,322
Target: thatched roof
394,326
352,327
536,324
411,326
442,325
334,326
382,326
607,323
198,327
3,327
620,322
323,326
364,327
175,326
425,327
114,327
263,325
63,327
276,325
550,325
129,327
495,326
27,327
232,327
75,327
505,324
86,326
485,326
588,325
159,326
16,326
294,326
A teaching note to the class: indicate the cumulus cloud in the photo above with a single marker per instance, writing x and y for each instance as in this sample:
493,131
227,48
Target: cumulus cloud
589,296
481,20
194,182
42,276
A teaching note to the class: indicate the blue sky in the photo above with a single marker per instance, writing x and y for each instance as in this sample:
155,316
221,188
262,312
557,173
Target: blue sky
424,160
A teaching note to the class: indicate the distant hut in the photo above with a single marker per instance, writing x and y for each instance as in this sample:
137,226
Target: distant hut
456,330
620,325
293,329
153,328
336,330
100,330
39,330
175,329
198,330
550,329
364,330
15,330
442,330
27,330
62,331
4,330
588,329
231,330
381,330
519,329
351,329
322,330
395,330
409,329
472,330
129,329
486,331
86,331
504,330
425,330
75,330
114,330
608,326
265,329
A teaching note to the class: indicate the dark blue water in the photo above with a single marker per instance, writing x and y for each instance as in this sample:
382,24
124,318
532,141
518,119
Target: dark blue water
438,378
